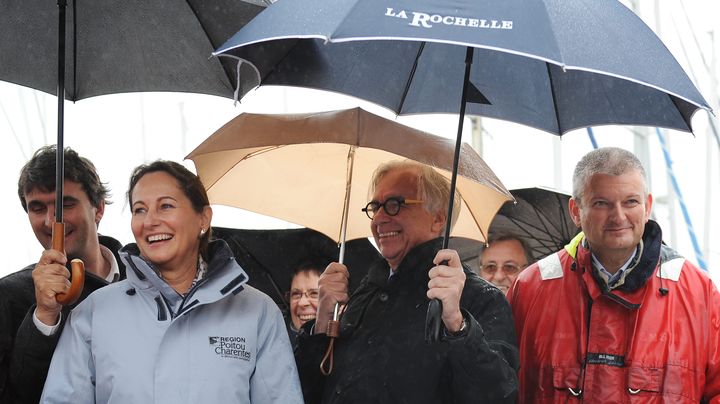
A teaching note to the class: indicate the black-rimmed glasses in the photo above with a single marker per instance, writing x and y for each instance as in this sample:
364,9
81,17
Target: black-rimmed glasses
391,205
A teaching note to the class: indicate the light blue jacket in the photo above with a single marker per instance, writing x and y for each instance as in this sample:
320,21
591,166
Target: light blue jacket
139,341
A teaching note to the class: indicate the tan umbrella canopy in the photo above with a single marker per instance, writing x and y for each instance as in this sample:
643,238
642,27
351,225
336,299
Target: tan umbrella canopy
306,168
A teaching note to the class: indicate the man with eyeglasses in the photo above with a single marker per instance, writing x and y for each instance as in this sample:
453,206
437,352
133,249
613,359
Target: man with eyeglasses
381,355
502,260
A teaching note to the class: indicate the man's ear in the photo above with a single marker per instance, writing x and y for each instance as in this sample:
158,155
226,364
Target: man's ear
574,209
648,206
99,212
438,223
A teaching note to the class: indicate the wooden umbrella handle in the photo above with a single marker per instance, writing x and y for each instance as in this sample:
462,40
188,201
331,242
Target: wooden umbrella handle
77,268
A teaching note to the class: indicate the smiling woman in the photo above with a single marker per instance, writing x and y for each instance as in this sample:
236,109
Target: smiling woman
171,224
189,324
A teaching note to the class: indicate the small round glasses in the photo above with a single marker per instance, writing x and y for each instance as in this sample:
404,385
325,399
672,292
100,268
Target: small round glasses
391,205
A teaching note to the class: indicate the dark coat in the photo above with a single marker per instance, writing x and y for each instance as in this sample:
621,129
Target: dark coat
382,357
25,353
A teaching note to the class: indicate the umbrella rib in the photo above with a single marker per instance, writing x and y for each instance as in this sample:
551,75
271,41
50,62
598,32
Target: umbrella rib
249,155
545,222
554,98
410,78
539,240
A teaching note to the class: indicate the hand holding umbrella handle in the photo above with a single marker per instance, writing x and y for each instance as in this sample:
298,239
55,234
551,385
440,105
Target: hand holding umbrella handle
77,268
433,319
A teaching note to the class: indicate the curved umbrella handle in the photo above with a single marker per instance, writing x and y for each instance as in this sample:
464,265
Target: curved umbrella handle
77,268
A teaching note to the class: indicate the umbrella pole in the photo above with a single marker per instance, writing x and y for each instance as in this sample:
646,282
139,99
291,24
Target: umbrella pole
433,319
58,232
346,202
458,145
333,327
60,151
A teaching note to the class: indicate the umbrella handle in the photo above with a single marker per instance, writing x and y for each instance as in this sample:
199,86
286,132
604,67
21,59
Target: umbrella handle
433,321
77,268
433,318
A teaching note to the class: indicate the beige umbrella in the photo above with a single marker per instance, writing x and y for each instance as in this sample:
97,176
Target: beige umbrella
311,168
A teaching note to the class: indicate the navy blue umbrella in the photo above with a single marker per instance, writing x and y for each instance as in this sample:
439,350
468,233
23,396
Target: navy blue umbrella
550,64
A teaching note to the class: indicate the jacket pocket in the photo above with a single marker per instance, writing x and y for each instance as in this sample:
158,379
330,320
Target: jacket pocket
554,380
675,383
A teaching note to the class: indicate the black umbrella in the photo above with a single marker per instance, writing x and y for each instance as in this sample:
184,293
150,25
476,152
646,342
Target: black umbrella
117,47
122,46
269,256
554,65
540,216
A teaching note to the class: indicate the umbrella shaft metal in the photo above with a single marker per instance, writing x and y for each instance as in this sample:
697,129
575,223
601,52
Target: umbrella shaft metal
60,159
346,203
458,145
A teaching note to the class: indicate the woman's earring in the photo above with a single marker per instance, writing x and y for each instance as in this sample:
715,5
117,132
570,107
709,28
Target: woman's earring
202,232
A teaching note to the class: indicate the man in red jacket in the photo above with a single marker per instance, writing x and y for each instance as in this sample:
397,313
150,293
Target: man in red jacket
616,316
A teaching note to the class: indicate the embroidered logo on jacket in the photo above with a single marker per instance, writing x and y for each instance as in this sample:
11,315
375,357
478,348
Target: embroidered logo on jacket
230,347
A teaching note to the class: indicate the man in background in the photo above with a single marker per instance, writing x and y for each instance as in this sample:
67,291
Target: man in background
502,260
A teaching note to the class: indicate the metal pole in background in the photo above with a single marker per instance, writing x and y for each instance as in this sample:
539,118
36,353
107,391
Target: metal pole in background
686,215
709,152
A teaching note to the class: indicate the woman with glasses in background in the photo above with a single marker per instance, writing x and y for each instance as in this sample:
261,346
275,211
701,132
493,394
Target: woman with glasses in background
303,296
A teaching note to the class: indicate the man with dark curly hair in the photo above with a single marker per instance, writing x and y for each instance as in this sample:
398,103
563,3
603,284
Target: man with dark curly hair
30,316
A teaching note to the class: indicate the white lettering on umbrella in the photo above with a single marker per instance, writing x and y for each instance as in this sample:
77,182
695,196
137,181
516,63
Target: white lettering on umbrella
420,19
391,13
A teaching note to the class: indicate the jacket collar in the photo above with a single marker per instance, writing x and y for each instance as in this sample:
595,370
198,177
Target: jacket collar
630,293
224,277
413,268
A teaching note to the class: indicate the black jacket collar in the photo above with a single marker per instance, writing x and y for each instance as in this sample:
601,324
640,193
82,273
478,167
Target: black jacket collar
413,268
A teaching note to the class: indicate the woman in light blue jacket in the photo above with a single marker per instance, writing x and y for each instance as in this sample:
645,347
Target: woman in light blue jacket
184,327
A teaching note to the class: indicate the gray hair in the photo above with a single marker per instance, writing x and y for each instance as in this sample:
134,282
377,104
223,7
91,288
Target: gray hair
433,188
607,160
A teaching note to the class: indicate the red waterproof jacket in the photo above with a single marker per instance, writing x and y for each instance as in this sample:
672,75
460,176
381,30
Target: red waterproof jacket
654,340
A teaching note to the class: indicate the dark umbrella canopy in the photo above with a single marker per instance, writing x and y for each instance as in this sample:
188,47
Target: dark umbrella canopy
123,46
553,65
95,47
270,256
540,217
